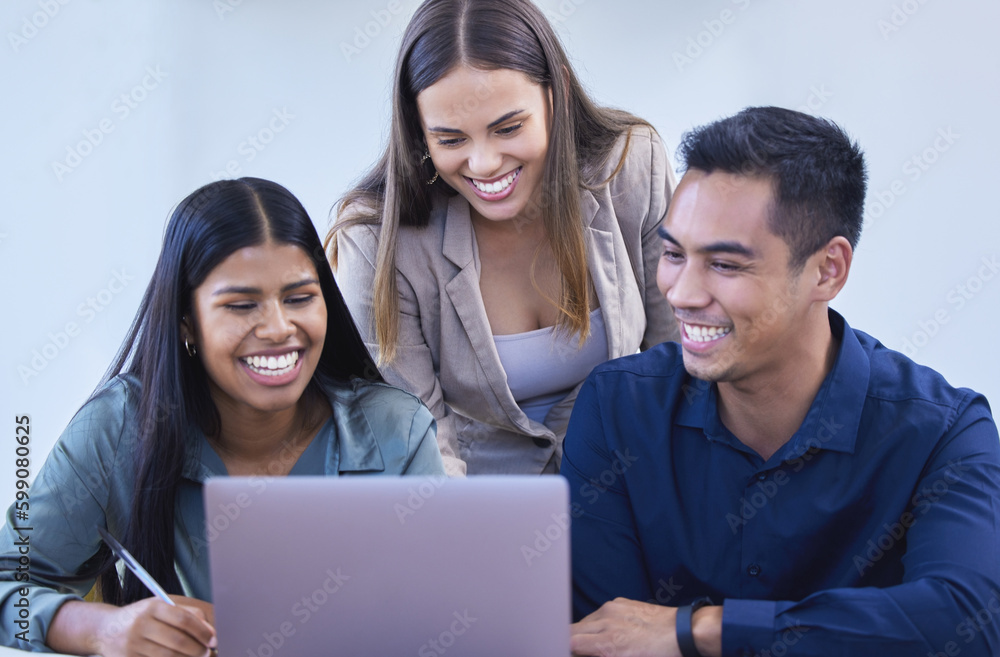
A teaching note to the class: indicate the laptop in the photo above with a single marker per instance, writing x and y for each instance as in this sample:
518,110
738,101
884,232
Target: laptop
390,566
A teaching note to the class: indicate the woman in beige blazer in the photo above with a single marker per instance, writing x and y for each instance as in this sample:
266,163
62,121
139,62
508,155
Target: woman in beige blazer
508,215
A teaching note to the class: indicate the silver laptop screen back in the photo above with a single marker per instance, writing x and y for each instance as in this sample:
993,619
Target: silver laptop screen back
307,566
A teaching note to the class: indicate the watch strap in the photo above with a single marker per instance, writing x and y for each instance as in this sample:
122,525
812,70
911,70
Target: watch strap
685,634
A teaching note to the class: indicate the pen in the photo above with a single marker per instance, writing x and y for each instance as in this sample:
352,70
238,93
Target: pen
119,551
133,565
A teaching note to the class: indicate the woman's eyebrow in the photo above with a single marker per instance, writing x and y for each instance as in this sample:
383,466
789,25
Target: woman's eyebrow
508,115
304,281
505,117
240,289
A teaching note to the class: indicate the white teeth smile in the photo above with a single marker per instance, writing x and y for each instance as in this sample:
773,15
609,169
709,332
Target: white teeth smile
271,366
494,187
705,333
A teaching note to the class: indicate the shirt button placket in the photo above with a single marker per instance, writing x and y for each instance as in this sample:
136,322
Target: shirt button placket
754,527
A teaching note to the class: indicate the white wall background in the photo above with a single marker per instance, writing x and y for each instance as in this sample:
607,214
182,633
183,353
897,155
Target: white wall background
199,78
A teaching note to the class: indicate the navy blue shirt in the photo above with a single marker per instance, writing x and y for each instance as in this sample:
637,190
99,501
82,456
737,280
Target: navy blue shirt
875,530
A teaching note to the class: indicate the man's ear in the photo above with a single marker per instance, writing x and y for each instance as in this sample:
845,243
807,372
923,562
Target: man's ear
830,266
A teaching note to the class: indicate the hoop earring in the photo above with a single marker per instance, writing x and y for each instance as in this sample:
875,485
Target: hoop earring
191,349
427,156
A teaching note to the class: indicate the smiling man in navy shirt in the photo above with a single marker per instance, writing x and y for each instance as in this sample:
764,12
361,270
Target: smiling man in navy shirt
778,483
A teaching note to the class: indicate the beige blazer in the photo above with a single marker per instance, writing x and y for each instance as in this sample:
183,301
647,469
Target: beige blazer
446,354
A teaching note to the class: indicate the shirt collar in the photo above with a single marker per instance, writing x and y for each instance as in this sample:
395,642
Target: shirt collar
352,448
833,418
835,415
357,448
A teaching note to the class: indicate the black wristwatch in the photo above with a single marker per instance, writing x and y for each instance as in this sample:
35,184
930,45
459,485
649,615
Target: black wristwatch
685,637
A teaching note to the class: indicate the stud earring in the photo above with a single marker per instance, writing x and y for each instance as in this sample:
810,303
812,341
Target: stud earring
427,156
191,349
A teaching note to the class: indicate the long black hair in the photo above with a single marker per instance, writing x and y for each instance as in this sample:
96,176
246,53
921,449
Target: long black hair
205,228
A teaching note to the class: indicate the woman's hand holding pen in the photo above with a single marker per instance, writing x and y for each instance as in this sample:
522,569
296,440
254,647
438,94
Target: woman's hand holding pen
152,627
206,607
162,625
146,627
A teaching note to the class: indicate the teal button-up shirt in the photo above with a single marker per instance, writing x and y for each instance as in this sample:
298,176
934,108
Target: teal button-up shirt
87,481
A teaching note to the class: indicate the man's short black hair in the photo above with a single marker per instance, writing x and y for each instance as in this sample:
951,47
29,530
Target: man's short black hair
818,173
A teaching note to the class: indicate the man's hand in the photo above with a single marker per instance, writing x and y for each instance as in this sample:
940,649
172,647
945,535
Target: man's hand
628,628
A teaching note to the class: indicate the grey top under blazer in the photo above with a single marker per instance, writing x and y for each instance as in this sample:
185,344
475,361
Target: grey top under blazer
446,354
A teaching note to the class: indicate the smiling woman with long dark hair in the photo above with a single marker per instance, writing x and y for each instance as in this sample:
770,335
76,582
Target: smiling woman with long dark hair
242,360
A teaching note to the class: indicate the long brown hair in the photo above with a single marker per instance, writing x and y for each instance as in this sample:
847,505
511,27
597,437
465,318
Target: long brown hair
487,35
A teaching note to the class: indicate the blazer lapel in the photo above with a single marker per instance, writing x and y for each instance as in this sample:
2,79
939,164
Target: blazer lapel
603,268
